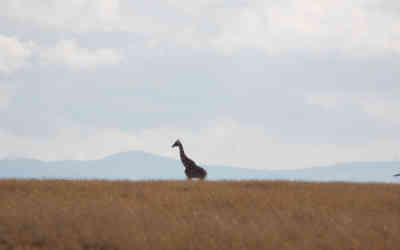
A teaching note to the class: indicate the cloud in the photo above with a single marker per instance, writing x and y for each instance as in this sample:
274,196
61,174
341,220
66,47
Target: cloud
287,26
14,53
83,16
68,52
382,108
235,80
155,92
363,27
76,15
7,92
222,141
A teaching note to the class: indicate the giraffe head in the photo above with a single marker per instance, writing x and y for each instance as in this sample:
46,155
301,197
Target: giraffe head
177,143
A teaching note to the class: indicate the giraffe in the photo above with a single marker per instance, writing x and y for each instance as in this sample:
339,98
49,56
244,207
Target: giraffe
191,168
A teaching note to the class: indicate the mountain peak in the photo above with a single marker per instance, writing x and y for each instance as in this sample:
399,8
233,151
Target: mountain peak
139,165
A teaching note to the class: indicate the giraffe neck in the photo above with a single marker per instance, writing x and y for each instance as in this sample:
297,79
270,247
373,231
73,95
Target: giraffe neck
182,153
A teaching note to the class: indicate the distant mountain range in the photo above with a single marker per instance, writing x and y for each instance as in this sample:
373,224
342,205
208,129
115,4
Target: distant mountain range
136,165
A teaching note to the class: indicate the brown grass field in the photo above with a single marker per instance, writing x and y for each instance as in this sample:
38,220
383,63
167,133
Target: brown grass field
110,215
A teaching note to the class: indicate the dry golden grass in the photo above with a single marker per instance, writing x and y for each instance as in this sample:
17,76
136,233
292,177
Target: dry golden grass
198,215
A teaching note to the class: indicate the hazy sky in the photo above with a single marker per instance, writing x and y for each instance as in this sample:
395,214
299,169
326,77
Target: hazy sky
257,84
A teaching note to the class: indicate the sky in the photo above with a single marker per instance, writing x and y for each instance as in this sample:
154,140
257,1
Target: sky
256,84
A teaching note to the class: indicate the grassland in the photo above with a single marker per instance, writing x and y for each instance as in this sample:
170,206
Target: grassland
198,215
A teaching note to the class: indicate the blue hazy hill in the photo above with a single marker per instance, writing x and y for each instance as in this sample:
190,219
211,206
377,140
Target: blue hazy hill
136,165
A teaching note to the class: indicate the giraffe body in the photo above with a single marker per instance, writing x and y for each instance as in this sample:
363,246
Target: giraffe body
191,168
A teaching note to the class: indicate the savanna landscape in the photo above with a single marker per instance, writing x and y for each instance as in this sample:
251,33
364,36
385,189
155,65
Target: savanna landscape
111,215
287,111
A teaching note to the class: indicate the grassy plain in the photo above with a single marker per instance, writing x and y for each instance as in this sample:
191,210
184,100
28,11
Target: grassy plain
110,215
